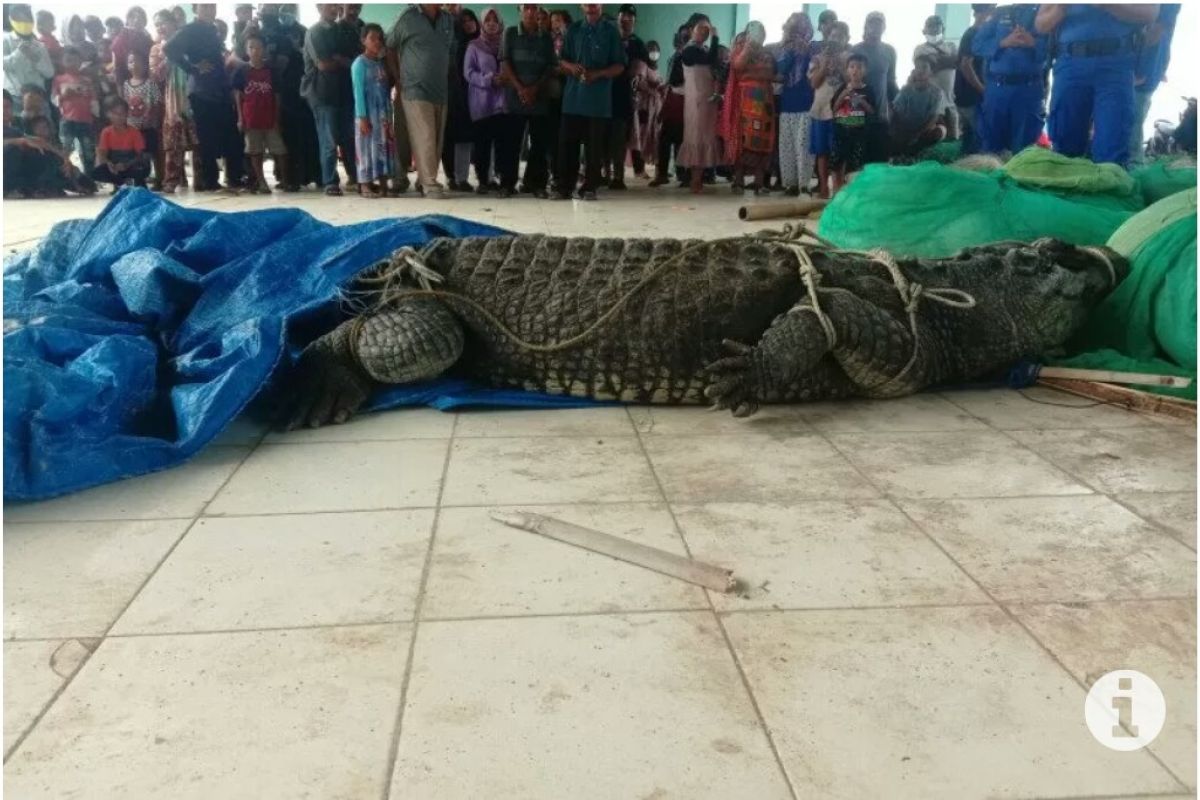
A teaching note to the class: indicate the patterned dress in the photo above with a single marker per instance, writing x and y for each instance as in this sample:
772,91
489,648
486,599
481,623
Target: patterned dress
178,126
372,101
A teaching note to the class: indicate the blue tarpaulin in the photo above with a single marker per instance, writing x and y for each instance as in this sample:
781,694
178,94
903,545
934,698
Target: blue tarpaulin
132,340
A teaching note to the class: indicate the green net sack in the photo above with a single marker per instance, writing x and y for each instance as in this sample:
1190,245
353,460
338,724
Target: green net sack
1164,178
934,211
1149,323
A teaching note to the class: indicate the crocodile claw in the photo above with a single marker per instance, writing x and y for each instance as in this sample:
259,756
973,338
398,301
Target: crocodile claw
731,380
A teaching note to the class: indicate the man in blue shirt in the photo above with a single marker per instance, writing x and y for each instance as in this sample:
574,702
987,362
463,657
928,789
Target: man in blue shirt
1096,50
1149,71
1011,116
592,55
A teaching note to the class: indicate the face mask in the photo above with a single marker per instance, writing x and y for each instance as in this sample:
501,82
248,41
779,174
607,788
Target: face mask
654,56
933,38
22,28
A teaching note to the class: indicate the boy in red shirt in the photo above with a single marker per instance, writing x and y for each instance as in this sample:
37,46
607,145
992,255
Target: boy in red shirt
256,90
75,95
121,157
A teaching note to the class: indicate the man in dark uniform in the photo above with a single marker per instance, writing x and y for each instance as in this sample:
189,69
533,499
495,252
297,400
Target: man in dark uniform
1015,54
1095,54
622,97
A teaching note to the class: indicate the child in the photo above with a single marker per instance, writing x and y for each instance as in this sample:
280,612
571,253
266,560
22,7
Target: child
373,109
853,108
33,102
145,101
75,95
45,29
41,130
121,157
257,93
113,27
826,73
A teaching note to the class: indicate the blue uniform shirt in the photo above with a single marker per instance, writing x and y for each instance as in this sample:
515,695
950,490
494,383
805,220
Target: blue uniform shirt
1014,61
1153,59
595,47
1088,23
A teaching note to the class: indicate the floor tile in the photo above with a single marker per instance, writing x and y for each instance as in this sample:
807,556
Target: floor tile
242,432
920,412
823,554
238,573
33,672
481,567
926,703
1039,407
1175,511
1134,460
698,469
1036,549
178,492
604,421
1157,638
342,476
507,471
699,420
648,705
273,714
65,579
398,423
953,465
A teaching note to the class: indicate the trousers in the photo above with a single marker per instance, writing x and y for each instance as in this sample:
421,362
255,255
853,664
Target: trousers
1093,98
795,160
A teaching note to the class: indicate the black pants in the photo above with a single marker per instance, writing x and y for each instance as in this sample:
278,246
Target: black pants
553,129
670,139
137,174
589,132
540,134
216,127
618,143
504,131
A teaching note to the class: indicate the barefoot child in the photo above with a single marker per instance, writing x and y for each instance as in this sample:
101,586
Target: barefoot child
75,95
257,90
853,108
373,110
121,157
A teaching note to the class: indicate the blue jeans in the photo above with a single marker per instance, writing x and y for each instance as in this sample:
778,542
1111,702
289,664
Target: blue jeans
335,128
1093,97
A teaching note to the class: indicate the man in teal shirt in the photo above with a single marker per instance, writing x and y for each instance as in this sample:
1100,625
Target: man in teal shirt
591,57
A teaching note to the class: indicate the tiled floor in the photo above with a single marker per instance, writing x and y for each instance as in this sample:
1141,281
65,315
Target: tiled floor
930,586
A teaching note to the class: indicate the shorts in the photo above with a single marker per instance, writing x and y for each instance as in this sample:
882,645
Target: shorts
849,147
820,139
261,141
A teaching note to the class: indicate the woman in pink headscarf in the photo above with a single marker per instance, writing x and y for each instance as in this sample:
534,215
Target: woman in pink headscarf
486,101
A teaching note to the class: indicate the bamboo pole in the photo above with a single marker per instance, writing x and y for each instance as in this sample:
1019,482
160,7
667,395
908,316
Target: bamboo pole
651,558
795,208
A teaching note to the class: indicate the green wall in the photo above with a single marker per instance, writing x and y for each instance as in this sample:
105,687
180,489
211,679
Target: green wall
655,22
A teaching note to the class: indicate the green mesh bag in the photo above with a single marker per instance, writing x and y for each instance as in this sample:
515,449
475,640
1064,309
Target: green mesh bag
1149,323
934,211
1164,178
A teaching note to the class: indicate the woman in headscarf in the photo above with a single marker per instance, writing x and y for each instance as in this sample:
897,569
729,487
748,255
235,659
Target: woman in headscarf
795,102
700,149
648,99
486,100
76,32
749,112
456,143
178,133
132,39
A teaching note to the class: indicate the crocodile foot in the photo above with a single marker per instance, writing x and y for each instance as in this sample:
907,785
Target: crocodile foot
732,380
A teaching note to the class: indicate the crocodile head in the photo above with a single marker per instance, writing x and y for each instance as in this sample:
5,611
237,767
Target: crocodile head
1058,284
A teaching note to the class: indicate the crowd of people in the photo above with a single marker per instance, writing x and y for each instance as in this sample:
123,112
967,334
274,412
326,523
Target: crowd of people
445,88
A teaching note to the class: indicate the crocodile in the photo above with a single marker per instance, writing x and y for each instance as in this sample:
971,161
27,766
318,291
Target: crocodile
735,323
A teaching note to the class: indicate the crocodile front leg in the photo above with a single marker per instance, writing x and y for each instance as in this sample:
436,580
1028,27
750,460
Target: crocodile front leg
417,340
869,344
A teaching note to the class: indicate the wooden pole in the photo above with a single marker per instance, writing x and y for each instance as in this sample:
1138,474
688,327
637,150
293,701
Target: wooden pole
796,208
